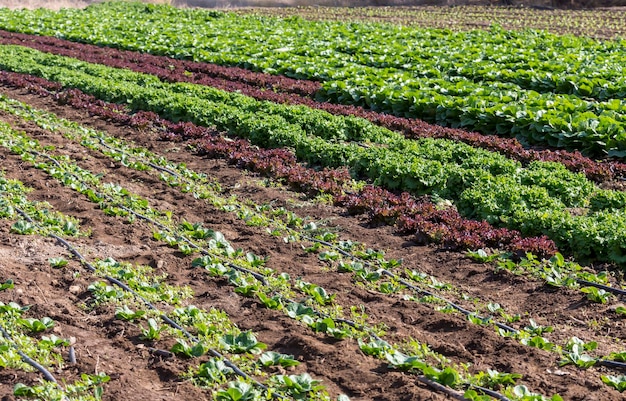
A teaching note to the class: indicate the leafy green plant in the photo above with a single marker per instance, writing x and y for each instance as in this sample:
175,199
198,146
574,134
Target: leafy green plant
328,256
242,342
87,388
522,393
103,292
617,382
300,311
256,261
213,371
482,256
274,302
318,293
375,347
271,358
54,341
598,295
575,353
196,230
494,379
37,325
190,351
152,332
23,227
125,313
368,275
58,262
247,289
328,326
538,342
237,391
390,288
617,356
7,285
537,330
297,386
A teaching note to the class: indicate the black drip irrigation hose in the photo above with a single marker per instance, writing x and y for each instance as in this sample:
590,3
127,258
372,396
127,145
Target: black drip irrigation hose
162,315
431,383
154,222
155,166
613,290
411,286
611,364
490,393
46,374
441,388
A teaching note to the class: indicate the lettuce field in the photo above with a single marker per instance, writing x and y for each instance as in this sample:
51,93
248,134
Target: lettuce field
200,204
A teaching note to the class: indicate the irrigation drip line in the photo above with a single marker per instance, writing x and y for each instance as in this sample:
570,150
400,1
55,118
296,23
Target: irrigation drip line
411,286
614,290
72,355
440,387
154,222
611,364
153,165
433,384
466,312
457,307
160,352
162,315
46,374
490,393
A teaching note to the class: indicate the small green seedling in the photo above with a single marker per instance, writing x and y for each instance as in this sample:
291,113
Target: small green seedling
597,295
153,332
58,262
37,325
125,313
617,382
271,358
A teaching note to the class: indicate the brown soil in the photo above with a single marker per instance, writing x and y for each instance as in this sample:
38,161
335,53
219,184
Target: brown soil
104,344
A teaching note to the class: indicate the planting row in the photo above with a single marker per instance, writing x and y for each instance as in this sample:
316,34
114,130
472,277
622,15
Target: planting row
431,222
117,201
285,90
370,276
595,23
536,200
372,271
534,60
498,82
251,286
140,288
26,341
26,344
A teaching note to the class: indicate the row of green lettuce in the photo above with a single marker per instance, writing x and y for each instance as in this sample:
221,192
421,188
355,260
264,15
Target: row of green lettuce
562,91
542,198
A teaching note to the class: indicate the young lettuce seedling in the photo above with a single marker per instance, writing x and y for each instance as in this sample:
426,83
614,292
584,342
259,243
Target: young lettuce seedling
58,262
617,382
